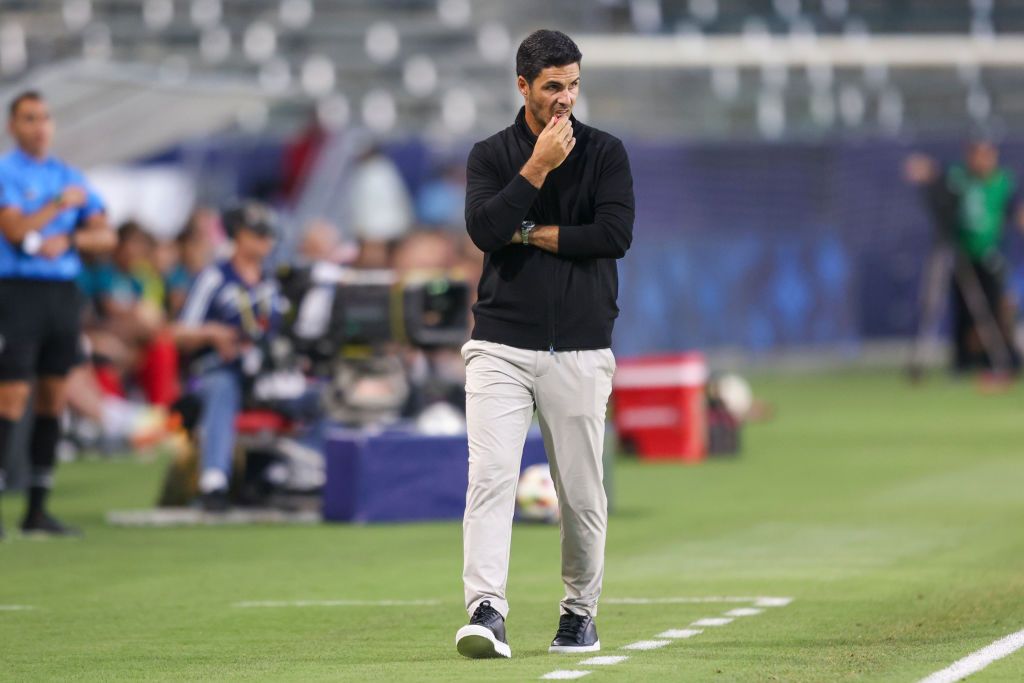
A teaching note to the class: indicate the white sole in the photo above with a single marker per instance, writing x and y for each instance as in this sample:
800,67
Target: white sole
575,649
477,642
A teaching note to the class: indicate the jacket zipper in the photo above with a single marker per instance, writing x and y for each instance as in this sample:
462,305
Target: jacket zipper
552,320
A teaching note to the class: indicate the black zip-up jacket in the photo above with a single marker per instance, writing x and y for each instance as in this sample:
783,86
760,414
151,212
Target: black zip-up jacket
530,298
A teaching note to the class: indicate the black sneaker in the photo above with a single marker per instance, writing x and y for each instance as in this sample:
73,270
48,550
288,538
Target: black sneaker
576,633
484,636
216,502
42,524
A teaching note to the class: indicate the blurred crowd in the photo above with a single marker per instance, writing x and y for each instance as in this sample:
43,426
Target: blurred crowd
134,373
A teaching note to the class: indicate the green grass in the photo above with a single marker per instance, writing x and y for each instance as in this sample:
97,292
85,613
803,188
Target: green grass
892,515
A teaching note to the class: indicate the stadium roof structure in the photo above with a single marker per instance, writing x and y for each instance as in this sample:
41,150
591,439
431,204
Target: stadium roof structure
133,111
657,68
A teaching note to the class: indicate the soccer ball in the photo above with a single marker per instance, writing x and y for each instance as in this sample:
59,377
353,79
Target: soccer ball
736,395
535,495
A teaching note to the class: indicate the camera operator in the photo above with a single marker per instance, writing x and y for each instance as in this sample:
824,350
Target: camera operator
232,311
971,204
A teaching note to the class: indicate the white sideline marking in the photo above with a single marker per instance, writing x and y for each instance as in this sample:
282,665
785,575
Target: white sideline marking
675,634
646,645
680,633
604,660
759,601
976,661
565,674
15,608
337,603
772,602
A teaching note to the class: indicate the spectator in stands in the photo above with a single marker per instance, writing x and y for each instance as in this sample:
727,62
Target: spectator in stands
116,421
300,156
441,201
381,209
232,311
131,301
195,251
321,242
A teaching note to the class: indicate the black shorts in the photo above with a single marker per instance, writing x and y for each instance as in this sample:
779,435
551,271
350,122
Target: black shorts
40,325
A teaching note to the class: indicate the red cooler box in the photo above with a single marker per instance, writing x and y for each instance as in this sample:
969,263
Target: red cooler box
659,405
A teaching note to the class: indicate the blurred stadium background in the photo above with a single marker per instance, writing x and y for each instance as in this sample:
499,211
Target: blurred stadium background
766,137
775,233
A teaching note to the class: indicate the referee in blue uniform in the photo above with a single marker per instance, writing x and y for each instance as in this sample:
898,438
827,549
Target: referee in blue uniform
48,215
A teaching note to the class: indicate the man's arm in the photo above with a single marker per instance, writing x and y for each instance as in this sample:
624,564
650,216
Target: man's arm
543,237
193,331
223,338
15,225
611,233
494,212
95,236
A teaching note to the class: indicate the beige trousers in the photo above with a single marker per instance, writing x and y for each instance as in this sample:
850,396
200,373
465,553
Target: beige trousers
569,390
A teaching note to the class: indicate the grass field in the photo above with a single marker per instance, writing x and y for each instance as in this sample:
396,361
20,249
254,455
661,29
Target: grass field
893,516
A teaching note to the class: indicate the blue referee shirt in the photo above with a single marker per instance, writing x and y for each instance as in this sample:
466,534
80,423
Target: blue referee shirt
28,184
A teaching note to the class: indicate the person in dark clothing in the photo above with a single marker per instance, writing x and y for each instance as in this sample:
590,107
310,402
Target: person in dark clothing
549,201
971,204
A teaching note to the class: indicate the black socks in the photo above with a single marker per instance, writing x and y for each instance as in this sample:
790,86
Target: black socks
43,457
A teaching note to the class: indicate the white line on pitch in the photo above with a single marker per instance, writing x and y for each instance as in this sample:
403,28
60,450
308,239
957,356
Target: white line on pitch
680,633
743,612
646,645
760,601
338,603
604,660
712,621
772,602
15,608
976,661
564,674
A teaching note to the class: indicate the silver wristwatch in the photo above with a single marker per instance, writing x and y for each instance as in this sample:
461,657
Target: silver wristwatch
524,231
32,243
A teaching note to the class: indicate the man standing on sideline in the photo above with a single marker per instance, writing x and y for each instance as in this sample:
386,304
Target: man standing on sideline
971,203
48,215
549,201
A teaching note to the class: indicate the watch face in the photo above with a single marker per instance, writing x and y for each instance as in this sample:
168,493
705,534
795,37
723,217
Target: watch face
32,242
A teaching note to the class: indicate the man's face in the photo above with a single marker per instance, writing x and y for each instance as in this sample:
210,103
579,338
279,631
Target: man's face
982,159
31,127
132,252
253,244
552,93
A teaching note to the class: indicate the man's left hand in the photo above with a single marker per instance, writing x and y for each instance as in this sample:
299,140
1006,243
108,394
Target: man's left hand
54,247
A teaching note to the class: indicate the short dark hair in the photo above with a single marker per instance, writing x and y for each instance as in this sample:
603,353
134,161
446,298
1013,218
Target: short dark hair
23,96
542,49
130,230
